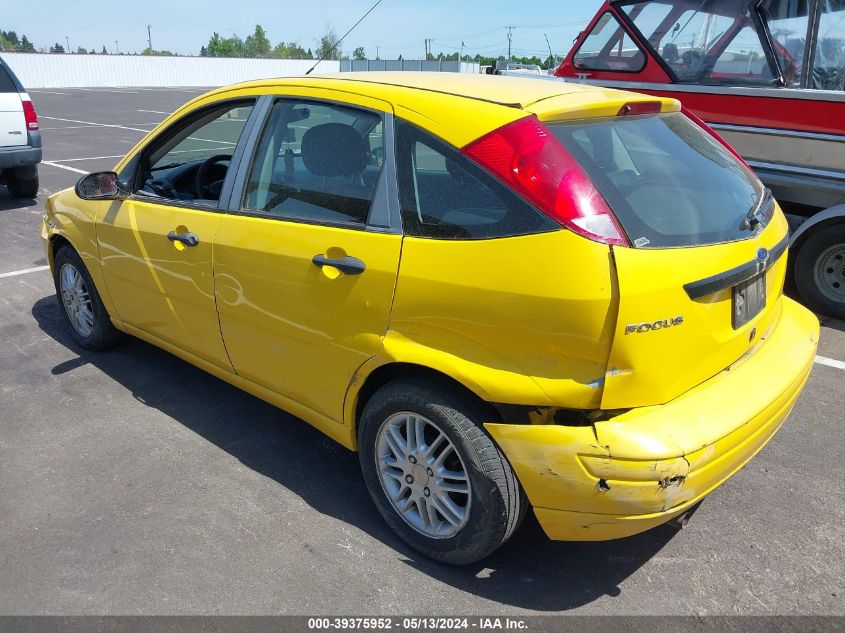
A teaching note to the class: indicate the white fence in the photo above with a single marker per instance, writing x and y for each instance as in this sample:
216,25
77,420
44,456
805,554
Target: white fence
95,71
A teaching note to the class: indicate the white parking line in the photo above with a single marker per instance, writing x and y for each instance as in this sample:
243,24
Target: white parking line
829,362
73,169
46,92
154,111
73,160
120,127
25,271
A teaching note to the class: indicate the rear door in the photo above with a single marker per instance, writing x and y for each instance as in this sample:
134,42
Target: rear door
305,269
12,121
700,284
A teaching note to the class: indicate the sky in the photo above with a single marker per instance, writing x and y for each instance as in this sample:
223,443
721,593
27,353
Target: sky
395,27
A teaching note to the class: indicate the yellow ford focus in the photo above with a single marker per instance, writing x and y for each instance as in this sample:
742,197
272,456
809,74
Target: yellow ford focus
501,292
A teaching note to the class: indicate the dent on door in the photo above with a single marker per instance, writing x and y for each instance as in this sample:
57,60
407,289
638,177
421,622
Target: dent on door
157,263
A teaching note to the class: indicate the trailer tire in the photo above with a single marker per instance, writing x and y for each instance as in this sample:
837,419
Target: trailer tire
820,271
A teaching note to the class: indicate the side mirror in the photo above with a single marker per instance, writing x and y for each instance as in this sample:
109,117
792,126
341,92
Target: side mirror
101,185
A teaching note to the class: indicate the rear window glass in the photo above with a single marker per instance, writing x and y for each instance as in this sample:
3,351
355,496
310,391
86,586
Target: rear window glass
668,182
6,83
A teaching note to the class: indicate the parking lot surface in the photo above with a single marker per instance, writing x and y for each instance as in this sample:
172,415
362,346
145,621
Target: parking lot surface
133,483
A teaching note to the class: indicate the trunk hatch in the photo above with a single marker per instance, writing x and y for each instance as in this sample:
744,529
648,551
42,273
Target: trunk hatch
699,283
654,358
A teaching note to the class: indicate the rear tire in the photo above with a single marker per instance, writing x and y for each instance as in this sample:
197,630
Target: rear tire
23,188
80,303
456,519
820,271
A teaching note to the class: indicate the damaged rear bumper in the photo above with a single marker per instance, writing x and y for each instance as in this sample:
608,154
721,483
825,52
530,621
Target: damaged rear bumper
644,467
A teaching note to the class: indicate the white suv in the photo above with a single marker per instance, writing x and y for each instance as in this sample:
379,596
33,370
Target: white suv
20,140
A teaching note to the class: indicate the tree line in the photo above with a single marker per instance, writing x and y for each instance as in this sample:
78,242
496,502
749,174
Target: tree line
258,45
9,42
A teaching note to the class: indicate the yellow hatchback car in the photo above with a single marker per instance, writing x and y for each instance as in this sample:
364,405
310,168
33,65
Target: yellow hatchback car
500,291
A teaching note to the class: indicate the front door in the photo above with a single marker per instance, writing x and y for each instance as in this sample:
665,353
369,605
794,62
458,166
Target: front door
156,247
305,272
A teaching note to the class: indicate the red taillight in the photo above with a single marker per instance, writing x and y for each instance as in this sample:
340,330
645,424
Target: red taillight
531,161
692,117
29,115
640,107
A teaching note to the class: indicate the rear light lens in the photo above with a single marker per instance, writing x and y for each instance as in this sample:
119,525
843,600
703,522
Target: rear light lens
29,115
527,157
692,117
640,107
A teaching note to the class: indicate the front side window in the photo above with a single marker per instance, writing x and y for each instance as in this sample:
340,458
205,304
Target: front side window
609,47
317,162
829,64
191,163
445,195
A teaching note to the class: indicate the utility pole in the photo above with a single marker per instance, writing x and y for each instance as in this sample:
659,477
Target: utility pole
116,48
376,52
510,37
149,38
67,43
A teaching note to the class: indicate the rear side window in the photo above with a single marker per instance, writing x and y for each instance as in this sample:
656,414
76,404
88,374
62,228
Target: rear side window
609,47
6,82
317,162
668,182
444,195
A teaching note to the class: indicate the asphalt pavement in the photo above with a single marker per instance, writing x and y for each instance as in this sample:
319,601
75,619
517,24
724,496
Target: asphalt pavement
134,483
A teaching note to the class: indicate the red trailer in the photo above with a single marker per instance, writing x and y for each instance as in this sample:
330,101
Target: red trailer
769,76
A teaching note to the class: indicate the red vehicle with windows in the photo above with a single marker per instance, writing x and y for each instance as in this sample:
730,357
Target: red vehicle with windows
769,76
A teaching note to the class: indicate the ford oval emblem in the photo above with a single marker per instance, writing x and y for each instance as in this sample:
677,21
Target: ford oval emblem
762,255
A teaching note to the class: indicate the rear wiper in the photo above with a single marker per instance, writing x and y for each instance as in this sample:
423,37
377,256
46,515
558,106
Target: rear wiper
758,215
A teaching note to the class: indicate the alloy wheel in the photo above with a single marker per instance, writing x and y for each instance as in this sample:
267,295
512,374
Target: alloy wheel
423,475
77,300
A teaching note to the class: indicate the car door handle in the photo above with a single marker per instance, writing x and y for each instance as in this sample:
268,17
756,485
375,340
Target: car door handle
346,265
188,239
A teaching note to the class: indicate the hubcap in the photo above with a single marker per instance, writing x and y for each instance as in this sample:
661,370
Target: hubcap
422,475
76,300
830,273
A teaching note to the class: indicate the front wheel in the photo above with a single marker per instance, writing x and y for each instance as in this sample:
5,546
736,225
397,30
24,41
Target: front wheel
90,325
820,271
435,476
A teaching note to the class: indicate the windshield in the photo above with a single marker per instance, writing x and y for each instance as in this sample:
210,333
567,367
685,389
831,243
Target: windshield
704,41
668,182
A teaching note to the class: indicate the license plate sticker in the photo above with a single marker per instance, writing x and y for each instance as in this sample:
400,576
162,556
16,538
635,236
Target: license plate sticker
749,299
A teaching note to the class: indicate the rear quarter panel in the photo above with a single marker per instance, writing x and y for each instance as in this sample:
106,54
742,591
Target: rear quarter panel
521,320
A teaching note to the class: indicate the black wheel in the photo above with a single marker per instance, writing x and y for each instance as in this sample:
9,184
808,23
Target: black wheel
23,188
90,325
435,476
820,271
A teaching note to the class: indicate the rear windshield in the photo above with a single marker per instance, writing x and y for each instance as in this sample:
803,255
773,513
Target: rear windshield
668,182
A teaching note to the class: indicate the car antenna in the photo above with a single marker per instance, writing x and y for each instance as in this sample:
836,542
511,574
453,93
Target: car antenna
336,44
551,55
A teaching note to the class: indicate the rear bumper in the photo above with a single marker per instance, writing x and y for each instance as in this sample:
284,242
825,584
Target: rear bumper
22,156
644,467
